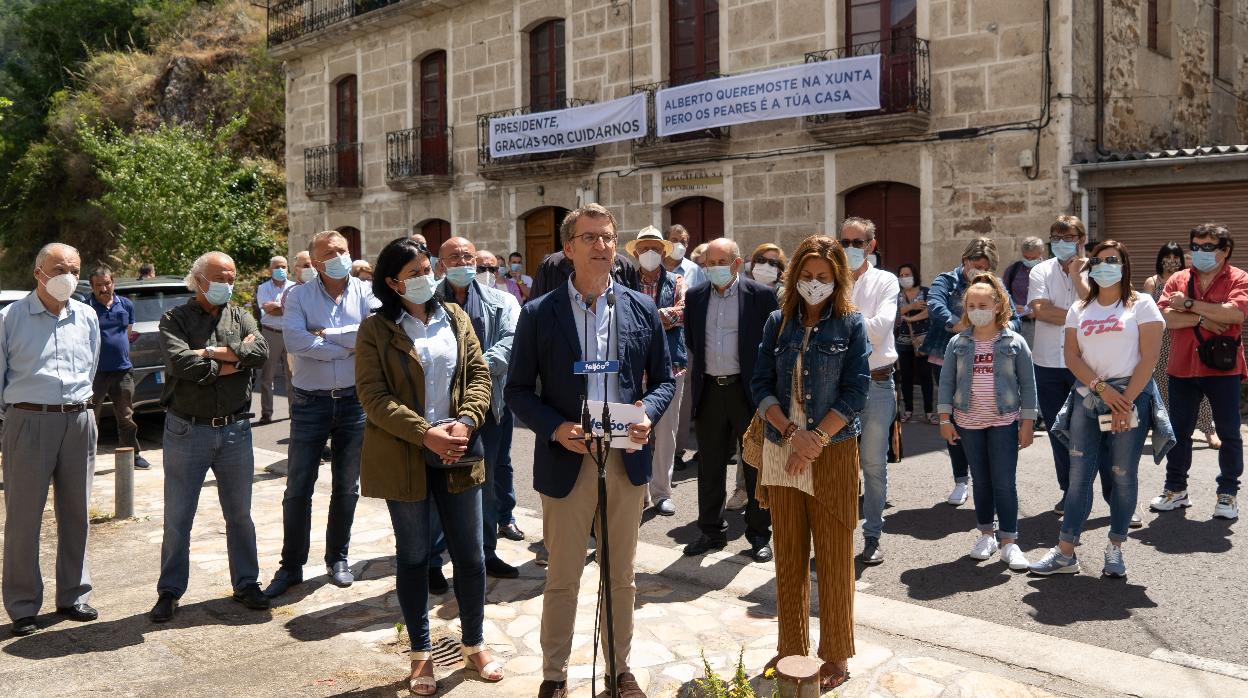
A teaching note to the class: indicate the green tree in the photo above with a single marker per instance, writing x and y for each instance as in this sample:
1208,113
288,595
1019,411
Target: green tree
176,193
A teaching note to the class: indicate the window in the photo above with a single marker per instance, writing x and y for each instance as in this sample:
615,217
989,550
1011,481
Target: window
1157,25
436,232
434,158
346,135
546,74
1151,22
887,27
693,35
1223,40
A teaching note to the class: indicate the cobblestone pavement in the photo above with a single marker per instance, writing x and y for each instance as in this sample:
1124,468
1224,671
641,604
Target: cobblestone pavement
324,640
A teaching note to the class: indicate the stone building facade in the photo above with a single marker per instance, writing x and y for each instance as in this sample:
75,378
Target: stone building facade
988,104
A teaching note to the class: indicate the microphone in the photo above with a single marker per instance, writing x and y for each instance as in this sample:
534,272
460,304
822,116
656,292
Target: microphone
587,427
606,413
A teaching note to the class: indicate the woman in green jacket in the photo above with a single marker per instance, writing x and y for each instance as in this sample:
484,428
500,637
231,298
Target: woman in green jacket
425,388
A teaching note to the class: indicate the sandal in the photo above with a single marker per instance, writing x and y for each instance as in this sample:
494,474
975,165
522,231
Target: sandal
492,671
830,681
422,685
905,416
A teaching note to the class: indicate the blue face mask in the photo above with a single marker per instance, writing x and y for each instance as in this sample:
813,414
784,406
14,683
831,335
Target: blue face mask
218,293
1106,274
1029,263
419,289
515,267
279,275
1204,261
720,275
460,277
1064,250
856,257
339,267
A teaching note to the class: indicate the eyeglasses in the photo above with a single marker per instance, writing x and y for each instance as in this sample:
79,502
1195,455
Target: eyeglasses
859,244
1207,246
463,257
767,260
594,238
1093,261
481,269
1068,237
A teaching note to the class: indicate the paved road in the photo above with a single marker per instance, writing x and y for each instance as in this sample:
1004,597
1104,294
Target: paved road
1186,591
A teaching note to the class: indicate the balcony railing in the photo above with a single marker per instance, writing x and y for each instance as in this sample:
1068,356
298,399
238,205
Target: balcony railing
905,74
652,133
560,160
291,19
418,159
332,170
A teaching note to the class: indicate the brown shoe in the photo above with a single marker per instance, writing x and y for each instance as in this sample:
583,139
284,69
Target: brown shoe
553,689
628,687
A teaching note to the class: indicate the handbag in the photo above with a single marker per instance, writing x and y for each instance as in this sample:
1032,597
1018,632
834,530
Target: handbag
476,449
752,439
1221,353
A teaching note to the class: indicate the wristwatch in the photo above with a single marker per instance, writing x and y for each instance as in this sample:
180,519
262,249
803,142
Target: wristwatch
1187,304
1099,386
209,352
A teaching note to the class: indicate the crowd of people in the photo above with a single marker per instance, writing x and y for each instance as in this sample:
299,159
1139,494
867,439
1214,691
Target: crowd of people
409,374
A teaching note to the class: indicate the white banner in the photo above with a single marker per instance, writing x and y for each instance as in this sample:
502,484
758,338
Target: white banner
564,129
623,416
845,84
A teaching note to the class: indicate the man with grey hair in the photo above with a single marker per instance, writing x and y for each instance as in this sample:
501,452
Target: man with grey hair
49,349
210,347
1017,279
319,323
269,301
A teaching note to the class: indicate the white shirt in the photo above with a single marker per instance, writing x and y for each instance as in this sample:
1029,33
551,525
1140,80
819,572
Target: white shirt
434,343
875,295
1049,281
269,292
597,321
1109,336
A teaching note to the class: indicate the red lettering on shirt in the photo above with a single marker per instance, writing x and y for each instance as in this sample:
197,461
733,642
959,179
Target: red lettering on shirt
1109,324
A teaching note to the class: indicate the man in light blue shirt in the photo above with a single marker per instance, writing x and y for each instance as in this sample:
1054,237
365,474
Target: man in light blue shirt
49,349
320,319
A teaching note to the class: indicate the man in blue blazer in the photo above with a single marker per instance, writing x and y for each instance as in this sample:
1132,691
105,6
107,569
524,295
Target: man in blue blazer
724,320
590,317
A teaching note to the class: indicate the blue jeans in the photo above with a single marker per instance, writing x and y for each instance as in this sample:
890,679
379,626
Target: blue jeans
1093,451
877,422
957,455
191,450
1223,394
993,457
491,439
461,514
1053,386
313,420
504,473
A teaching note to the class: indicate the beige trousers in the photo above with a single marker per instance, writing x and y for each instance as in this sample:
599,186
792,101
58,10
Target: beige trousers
566,523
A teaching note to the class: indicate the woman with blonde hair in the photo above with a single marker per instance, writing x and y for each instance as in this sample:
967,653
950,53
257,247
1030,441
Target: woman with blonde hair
767,264
811,379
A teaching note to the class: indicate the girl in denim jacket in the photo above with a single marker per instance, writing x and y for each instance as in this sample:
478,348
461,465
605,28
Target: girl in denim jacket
988,403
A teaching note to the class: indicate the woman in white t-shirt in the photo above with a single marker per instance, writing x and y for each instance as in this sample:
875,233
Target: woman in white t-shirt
1112,340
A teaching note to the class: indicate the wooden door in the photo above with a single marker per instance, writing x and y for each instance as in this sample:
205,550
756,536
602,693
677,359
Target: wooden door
433,141
702,216
894,208
693,33
436,232
546,66
354,243
541,236
888,27
346,133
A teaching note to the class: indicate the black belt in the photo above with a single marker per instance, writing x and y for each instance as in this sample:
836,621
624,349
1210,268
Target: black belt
879,374
34,407
215,422
724,380
266,328
336,393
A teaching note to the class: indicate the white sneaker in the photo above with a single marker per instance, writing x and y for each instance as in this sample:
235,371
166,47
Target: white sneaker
1168,500
958,496
737,501
1227,507
985,546
1014,557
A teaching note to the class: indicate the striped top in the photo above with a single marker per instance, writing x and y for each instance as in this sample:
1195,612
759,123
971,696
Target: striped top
983,411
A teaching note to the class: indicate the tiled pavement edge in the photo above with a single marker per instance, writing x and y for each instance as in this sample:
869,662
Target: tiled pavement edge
328,641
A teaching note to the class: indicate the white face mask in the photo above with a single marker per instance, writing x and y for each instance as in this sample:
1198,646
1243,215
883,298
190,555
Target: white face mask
486,279
765,274
61,286
815,291
650,260
306,274
678,251
981,317
906,281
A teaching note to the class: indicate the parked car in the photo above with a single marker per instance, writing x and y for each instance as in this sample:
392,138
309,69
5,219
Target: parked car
7,297
151,298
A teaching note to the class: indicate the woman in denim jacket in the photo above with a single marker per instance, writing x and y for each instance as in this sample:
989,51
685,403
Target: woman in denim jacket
1113,337
809,471
988,387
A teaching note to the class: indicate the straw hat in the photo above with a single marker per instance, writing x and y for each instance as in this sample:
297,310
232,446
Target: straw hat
649,233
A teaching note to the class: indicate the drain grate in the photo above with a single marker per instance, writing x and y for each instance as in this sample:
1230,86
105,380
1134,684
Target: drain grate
446,652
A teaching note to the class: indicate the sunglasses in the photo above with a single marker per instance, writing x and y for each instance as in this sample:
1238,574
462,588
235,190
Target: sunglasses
1207,246
859,244
1093,261
766,260
481,269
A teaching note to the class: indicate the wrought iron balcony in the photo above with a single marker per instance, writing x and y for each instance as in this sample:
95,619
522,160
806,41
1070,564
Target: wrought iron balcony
905,93
660,150
419,159
332,171
510,166
291,19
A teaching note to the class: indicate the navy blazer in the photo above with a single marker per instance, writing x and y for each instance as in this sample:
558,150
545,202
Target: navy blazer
756,302
545,347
